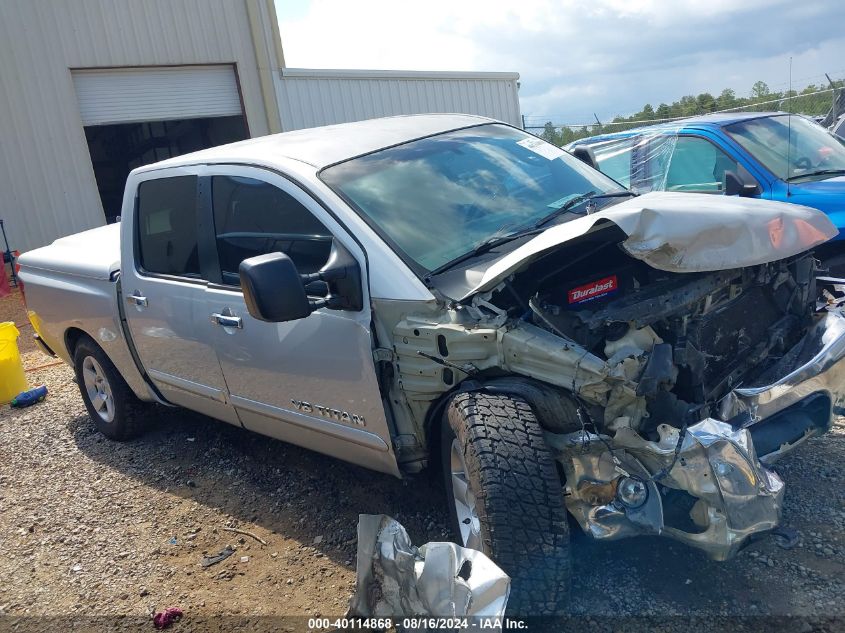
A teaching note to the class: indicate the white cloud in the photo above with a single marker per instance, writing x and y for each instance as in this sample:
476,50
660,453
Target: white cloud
577,57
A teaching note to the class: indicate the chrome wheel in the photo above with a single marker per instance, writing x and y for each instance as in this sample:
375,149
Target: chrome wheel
465,504
98,388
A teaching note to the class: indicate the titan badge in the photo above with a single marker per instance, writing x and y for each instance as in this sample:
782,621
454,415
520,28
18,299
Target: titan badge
328,412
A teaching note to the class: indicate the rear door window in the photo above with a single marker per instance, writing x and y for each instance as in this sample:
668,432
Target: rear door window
167,226
698,165
253,217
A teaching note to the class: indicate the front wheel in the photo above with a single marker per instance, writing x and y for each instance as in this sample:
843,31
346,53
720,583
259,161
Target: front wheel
114,408
506,499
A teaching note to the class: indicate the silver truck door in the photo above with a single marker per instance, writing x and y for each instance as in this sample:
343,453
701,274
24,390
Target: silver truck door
164,290
311,382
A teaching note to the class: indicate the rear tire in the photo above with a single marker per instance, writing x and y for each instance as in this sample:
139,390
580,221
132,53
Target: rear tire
519,518
113,407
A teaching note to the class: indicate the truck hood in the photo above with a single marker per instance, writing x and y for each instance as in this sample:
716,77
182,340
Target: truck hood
830,186
94,254
681,232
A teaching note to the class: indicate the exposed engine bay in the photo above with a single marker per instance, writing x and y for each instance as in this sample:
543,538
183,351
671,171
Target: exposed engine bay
664,395
666,461
686,339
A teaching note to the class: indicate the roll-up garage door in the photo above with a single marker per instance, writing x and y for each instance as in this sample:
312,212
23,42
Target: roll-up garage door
128,95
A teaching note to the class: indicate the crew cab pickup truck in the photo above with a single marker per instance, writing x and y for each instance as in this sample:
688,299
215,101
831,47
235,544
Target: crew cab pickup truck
449,291
772,155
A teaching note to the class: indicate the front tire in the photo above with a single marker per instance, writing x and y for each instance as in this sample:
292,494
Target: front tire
112,405
506,498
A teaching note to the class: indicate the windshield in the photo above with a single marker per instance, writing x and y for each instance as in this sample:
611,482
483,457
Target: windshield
438,198
813,151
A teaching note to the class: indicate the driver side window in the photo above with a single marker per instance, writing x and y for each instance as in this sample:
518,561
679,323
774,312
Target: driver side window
252,217
698,165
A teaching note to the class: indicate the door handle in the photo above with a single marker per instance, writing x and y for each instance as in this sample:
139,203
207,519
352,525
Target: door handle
137,300
227,321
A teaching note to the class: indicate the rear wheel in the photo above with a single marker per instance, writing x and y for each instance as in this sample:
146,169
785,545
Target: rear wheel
112,405
506,499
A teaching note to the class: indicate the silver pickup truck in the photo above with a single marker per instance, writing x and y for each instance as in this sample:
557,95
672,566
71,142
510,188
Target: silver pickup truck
449,291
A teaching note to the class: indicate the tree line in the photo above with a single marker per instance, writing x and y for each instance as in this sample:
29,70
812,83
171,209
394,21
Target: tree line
803,102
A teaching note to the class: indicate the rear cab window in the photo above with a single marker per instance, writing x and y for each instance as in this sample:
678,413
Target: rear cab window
166,229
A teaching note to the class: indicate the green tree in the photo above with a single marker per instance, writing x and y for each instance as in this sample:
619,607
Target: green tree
761,98
726,100
705,103
550,134
689,106
759,90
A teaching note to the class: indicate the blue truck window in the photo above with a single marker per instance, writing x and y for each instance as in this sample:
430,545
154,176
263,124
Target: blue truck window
697,165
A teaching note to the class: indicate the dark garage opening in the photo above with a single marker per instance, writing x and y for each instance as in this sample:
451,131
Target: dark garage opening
118,149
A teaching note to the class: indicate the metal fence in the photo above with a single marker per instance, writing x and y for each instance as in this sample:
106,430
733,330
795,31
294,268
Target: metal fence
823,105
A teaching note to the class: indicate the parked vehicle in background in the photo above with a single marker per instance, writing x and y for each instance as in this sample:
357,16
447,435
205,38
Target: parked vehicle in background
771,155
838,128
450,291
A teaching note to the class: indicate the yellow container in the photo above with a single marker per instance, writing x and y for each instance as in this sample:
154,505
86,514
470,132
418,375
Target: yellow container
12,378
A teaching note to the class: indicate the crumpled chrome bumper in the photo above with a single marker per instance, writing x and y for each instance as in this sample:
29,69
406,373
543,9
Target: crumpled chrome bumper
396,579
713,490
816,370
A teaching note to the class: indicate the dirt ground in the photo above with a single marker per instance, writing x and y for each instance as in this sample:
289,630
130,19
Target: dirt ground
95,528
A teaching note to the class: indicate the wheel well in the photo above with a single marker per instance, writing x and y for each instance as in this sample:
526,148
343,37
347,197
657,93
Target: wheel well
72,338
555,409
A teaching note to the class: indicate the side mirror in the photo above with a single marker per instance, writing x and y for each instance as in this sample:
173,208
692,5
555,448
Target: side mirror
585,154
274,291
740,183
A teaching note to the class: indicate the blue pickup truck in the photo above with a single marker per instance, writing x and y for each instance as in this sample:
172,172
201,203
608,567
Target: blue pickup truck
770,155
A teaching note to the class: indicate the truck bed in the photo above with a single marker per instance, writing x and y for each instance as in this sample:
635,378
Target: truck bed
94,254
72,289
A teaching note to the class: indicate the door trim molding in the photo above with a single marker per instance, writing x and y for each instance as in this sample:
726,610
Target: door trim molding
326,427
188,385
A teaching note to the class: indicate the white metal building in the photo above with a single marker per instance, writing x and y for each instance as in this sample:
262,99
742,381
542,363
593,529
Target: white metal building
90,90
309,98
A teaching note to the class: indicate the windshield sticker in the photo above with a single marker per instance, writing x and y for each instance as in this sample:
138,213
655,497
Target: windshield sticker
540,147
593,290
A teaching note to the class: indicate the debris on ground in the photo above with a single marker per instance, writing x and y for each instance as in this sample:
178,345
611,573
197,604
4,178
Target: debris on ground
164,619
245,533
438,579
208,561
29,398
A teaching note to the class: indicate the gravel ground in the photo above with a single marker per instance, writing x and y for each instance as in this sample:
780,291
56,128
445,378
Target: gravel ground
119,530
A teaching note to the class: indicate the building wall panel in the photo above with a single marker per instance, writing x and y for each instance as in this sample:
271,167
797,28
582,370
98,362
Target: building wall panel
310,98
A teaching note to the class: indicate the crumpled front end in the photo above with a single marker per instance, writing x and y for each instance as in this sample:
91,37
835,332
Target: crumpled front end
686,385
706,484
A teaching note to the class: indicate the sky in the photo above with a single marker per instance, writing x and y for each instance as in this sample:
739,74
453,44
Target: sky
577,58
